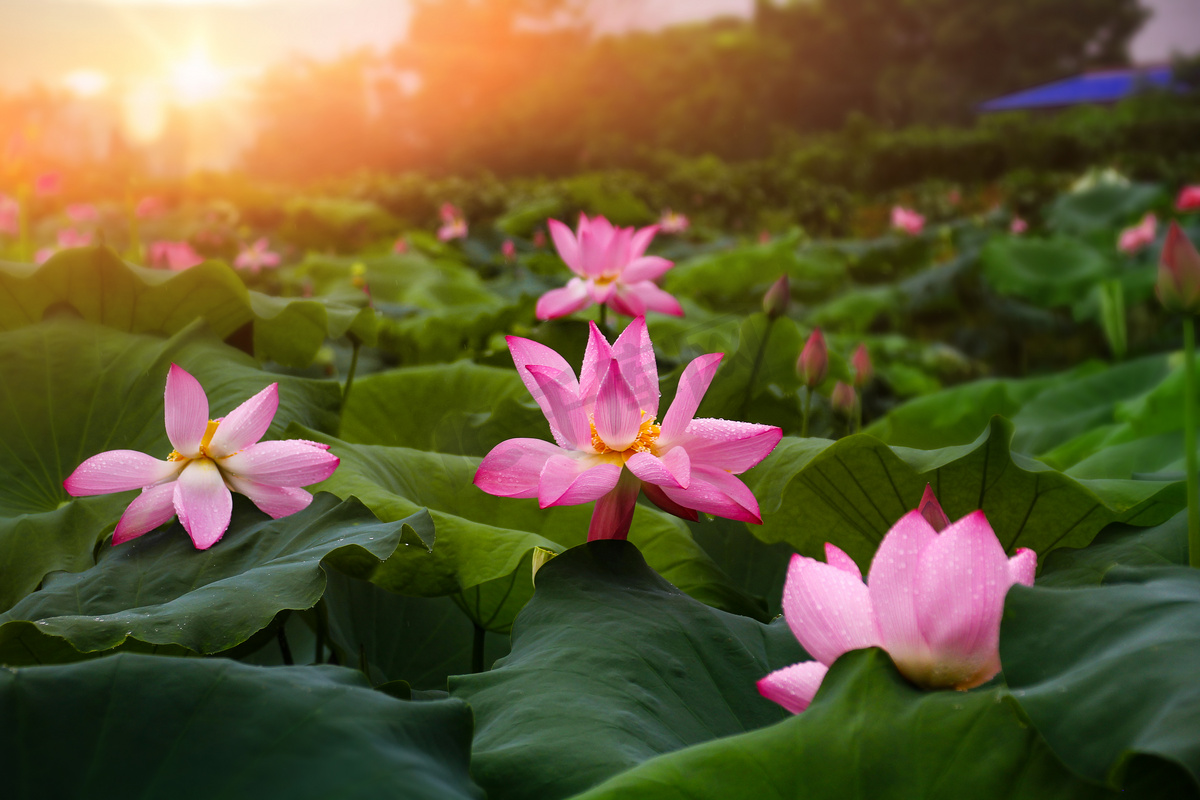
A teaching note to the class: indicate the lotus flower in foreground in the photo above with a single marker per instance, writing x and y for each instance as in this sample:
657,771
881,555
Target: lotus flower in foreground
611,266
933,600
609,444
211,459
907,220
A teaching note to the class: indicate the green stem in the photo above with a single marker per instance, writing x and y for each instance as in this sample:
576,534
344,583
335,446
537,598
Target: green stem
807,407
604,317
1189,439
319,655
281,634
858,412
353,368
758,359
477,648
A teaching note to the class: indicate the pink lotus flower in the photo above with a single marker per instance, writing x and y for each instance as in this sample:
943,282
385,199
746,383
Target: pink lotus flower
907,220
539,238
82,212
176,256
1188,199
400,247
672,222
932,600
861,361
844,398
1134,238
608,444
509,250
1018,226
67,238
454,225
49,183
257,256
777,298
148,207
10,215
814,360
764,237
211,459
1178,286
611,267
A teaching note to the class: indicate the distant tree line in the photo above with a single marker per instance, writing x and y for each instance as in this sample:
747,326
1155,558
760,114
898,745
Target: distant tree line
524,87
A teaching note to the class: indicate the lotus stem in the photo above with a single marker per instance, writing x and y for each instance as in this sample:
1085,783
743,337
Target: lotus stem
758,359
281,635
806,407
477,648
319,610
1189,438
354,340
604,316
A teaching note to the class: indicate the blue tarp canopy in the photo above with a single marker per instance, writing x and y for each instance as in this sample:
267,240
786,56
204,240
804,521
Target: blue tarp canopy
1108,86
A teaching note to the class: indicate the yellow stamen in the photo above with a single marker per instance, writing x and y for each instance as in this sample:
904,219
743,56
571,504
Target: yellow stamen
205,441
644,443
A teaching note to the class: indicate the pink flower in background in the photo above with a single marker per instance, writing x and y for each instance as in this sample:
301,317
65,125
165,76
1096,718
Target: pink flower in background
907,220
539,238
211,459
67,238
764,237
672,222
48,183
176,256
10,215
1018,226
1188,199
813,363
148,207
257,256
1138,236
933,600
82,212
863,370
509,250
611,266
954,197
844,398
454,225
400,247
609,444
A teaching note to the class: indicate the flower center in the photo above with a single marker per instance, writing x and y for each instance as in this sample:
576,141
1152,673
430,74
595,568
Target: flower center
644,443
205,441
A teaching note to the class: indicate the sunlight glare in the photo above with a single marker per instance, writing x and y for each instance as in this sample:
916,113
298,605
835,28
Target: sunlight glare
86,82
196,80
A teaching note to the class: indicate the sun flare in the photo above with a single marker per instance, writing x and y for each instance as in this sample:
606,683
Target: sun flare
196,80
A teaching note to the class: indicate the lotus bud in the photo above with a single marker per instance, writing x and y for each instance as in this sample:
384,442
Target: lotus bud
844,398
1179,273
814,360
775,301
1188,199
931,510
861,361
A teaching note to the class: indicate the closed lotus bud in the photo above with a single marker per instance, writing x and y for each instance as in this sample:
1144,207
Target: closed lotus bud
861,361
1179,273
814,360
775,301
931,510
844,398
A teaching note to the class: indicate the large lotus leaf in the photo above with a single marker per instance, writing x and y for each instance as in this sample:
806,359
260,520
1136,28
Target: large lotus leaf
1108,674
1047,273
850,492
140,726
610,666
868,735
100,287
1102,207
71,390
159,590
461,408
419,640
482,540
1118,545
756,567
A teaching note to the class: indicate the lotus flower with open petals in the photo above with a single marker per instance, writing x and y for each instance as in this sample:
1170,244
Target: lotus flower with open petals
211,459
255,257
454,224
611,267
609,443
1136,237
933,600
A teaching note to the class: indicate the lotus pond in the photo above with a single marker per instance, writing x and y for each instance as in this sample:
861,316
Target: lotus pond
469,513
